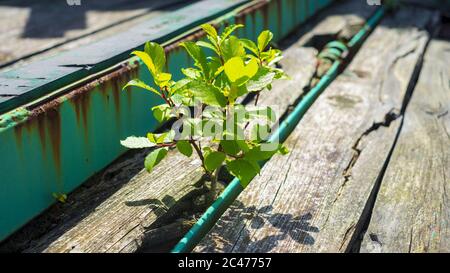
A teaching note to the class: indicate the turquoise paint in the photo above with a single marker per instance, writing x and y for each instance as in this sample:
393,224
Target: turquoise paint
36,166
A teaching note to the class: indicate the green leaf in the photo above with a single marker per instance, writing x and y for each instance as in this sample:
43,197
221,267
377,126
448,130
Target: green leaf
243,170
198,55
207,93
184,147
232,47
213,160
162,79
191,73
260,132
230,147
228,30
147,61
261,80
180,85
271,57
154,158
254,163
161,138
157,54
210,30
250,45
264,39
61,197
141,84
215,66
257,154
206,45
161,112
283,150
243,145
238,72
133,142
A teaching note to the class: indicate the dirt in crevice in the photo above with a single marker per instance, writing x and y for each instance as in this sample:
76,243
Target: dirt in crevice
354,245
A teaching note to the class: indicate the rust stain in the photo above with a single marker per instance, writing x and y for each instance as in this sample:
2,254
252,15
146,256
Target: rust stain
128,77
47,116
46,119
41,124
254,30
104,91
116,95
18,136
54,131
265,13
240,19
306,9
294,10
167,62
253,8
262,6
81,101
279,17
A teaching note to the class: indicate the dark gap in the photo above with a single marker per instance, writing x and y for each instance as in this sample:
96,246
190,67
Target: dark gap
354,245
320,41
444,30
85,66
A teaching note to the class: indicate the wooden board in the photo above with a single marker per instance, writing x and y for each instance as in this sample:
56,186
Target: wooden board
29,28
314,199
116,210
412,209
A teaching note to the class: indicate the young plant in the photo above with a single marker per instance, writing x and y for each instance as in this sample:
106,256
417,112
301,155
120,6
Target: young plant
219,130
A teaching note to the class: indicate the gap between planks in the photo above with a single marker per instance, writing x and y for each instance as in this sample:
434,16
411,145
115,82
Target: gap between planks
412,210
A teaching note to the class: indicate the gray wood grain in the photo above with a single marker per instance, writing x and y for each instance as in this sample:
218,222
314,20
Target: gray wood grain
412,209
119,221
312,200
46,27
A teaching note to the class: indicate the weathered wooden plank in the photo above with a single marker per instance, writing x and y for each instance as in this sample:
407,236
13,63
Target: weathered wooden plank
117,210
28,27
412,209
312,200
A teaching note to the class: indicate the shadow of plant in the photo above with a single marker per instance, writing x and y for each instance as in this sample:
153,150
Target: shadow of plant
248,220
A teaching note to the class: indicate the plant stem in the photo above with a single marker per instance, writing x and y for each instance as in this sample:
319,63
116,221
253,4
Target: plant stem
257,98
214,179
200,155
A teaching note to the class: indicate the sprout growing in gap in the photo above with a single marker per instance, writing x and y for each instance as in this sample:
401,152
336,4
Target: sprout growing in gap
220,130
